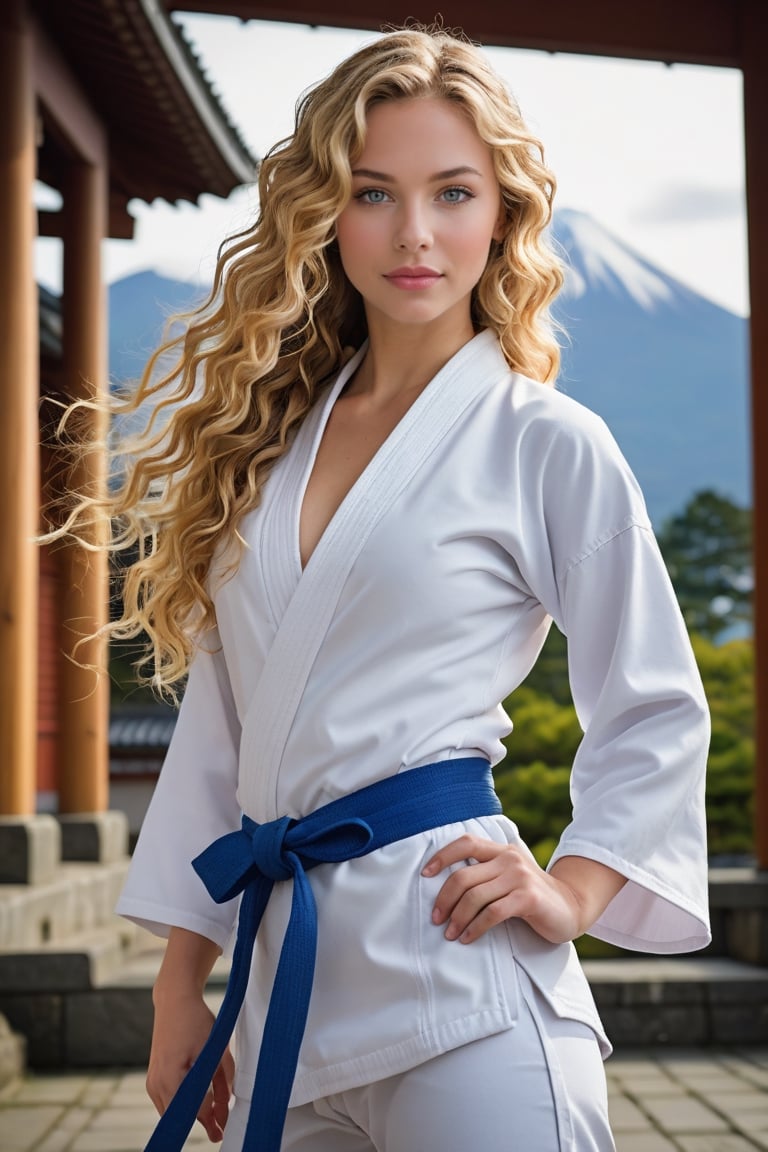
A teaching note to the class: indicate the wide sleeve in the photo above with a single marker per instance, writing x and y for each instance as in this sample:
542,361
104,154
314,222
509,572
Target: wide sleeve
637,784
637,781
195,802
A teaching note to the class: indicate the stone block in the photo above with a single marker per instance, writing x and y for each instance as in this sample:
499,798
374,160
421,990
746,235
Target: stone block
23,1129
13,1052
739,1023
662,991
39,1018
683,1115
750,988
44,971
30,849
109,1028
664,1025
747,935
94,836
33,915
738,888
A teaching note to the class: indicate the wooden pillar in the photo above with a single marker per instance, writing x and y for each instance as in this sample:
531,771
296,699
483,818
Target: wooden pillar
756,134
84,687
19,387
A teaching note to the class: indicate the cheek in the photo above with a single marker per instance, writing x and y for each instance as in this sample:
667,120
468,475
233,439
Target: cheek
475,248
355,231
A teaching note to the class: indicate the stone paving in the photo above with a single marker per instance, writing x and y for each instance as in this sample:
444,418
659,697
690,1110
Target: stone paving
664,1101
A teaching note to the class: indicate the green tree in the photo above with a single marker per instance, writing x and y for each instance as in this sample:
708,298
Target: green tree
708,550
727,672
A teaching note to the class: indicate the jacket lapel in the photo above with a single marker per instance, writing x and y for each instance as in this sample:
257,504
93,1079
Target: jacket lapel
311,608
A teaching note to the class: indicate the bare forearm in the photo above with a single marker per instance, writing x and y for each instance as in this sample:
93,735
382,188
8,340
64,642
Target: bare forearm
183,1022
186,965
593,885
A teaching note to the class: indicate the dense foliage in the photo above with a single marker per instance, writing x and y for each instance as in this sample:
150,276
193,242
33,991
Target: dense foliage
708,550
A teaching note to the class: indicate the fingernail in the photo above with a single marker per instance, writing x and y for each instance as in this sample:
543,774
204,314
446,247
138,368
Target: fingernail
436,915
465,937
451,932
430,869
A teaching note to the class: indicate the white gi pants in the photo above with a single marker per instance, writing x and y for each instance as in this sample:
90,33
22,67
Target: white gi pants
537,1087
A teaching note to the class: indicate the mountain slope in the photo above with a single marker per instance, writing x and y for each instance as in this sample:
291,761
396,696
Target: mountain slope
667,369
139,307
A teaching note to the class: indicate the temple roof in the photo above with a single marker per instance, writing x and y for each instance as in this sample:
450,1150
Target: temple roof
169,134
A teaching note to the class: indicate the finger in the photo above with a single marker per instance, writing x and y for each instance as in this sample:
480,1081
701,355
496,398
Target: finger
492,915
474,903
457,884
221,1094
228,1065
465,848
207,1117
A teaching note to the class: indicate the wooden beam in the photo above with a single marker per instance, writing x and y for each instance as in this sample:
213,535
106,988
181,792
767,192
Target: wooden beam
691,31
84,683
66,106
19,467
756,133
48,222
120,224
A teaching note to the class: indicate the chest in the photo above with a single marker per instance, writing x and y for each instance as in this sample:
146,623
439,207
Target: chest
353,434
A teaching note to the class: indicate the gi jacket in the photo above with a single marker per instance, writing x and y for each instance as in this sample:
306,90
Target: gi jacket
496,505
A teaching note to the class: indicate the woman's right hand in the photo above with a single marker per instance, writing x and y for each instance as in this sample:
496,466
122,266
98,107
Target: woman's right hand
182,1025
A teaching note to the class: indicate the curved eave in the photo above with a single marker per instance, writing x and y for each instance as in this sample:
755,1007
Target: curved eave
210,113
169,136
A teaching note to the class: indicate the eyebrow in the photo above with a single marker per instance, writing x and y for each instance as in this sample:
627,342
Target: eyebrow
448,174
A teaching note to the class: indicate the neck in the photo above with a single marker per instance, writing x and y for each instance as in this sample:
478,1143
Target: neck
403,359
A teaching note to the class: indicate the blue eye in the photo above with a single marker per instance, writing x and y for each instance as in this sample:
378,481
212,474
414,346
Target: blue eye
372,196
456,195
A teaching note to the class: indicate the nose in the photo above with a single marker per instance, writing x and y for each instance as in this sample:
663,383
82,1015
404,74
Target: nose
413,232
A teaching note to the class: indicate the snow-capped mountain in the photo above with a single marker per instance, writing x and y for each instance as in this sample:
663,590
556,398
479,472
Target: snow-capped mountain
596,260
667,369
664,367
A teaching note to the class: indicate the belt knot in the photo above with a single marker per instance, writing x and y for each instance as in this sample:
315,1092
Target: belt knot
249,862
267,845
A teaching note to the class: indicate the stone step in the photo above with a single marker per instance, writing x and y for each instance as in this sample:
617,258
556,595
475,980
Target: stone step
12,1054
696,1001
88,1002
80,962
81,896
691,1000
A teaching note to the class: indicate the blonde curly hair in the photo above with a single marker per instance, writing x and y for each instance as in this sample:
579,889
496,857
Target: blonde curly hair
255,357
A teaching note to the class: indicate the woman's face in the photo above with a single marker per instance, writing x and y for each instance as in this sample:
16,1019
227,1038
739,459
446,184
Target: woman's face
425,206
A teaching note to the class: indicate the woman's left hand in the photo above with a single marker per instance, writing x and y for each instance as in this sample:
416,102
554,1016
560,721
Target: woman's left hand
506,881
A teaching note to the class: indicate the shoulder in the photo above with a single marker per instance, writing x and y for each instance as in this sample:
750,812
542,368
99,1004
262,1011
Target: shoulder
569,465
545,416
549,430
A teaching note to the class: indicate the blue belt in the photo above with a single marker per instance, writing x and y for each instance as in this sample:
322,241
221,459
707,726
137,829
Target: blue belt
251,861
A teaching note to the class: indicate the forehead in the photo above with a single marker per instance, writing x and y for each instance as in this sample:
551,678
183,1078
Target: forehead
436,132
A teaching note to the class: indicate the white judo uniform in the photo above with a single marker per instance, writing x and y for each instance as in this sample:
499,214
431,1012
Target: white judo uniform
495,506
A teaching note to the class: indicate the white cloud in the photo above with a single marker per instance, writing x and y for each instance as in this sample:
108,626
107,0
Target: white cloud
692,203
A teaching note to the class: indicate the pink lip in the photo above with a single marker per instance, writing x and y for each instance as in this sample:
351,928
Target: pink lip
413,277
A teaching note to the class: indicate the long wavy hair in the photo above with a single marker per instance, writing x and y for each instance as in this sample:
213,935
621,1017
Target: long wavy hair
279,321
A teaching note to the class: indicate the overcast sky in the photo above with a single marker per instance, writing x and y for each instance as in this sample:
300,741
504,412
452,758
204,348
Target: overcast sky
655,153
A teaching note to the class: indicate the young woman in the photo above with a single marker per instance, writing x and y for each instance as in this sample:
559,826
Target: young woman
356,530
